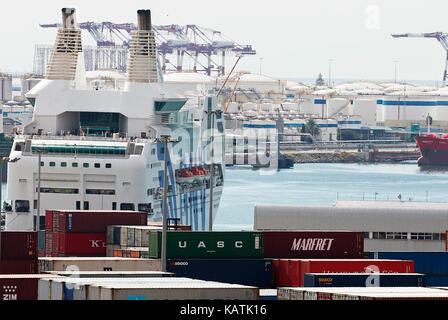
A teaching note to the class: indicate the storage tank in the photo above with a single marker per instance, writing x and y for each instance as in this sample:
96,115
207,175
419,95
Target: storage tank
233,107
366,108
181,82
5,88
399,108
306,105
249,106
27,85
442,109
335,106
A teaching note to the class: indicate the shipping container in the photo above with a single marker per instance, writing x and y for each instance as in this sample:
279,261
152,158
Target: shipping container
21,286
436,281
176,289
313,244
268,294
73,288
208,244
82,244
112,274
16,245
298,267
49,220
364,280
251,272
23,266
87,221
429,263
41,241
98,264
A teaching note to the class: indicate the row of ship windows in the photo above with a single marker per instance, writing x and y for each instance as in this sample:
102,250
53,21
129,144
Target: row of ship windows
24,206
405,235
76,191
75,164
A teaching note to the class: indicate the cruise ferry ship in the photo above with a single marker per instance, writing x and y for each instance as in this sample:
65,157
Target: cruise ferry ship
98,143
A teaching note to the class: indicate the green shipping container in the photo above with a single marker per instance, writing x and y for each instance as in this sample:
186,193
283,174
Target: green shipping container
208,244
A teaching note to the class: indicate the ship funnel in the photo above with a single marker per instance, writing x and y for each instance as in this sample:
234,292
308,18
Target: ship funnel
144,20
66,57
142,65
68,18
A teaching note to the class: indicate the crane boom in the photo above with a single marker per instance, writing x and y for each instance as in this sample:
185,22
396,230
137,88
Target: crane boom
442,37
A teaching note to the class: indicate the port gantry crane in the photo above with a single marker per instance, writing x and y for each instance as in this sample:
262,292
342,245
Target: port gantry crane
190,40
442,37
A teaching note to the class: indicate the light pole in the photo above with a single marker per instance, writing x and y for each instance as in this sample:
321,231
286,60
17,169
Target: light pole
39,160
165,139
395,71
212,167
329,72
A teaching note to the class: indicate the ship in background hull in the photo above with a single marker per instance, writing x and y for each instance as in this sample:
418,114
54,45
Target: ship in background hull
434,150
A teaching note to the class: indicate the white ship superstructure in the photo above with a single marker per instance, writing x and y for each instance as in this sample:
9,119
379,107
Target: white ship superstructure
99,145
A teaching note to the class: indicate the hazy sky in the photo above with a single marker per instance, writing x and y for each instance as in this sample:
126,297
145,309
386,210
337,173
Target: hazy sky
293,38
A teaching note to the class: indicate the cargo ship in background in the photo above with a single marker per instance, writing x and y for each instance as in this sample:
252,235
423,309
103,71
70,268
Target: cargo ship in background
99,141
433,150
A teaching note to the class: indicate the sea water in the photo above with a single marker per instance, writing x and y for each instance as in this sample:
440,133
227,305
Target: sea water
323,184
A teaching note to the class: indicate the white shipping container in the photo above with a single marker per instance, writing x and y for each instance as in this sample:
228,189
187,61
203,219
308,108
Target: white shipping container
112,274
98,264
177,289
137,237
131,237
123,236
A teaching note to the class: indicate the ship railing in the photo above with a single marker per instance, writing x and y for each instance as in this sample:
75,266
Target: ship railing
86,138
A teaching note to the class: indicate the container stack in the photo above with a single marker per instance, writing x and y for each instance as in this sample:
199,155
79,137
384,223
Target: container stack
129,241
368,293
148,288
83,233
18,252
292,272
225,256
433,264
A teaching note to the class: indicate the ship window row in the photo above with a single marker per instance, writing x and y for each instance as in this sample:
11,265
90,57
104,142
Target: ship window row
75,164
93,150
405,236
76,191
143,207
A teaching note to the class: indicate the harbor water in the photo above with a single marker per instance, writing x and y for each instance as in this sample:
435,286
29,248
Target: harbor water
323,184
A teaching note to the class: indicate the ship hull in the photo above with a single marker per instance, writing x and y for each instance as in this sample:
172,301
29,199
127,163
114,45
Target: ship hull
433,150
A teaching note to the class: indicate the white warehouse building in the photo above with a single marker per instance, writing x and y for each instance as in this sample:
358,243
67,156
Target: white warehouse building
388,226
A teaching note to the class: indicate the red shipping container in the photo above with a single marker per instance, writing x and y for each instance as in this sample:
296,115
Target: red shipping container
82,244
298,267
48,220
24,266
85,221
313,244
16,245
21,286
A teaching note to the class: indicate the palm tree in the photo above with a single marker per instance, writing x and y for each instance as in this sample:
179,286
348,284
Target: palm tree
312,128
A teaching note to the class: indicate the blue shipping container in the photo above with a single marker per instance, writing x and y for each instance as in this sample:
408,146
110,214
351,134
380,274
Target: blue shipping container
117,235
41,240
364,280
250,272
436,281
429,263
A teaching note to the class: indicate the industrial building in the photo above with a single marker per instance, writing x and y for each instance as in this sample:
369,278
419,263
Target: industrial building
388,226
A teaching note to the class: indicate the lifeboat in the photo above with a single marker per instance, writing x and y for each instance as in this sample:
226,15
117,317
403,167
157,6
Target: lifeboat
186,176
205,172
198,174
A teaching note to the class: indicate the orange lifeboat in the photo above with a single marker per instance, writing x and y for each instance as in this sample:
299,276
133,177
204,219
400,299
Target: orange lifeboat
198,174
186,176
